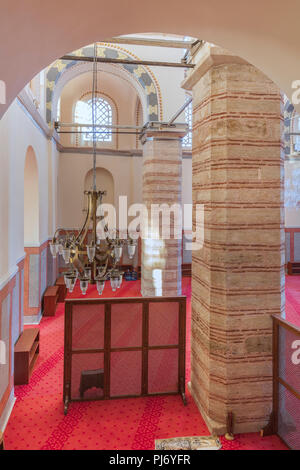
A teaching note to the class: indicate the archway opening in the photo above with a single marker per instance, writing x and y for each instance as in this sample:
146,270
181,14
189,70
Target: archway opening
105,181
31,200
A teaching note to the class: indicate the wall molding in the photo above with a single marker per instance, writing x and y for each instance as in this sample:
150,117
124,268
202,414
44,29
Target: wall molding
36,244
33,319
19,260
112,152
32,112
7,410
8,276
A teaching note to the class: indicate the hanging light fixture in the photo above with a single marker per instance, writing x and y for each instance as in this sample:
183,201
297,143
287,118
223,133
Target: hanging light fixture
97,260
100,284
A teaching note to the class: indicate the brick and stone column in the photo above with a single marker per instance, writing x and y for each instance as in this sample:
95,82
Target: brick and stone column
238,275
162,173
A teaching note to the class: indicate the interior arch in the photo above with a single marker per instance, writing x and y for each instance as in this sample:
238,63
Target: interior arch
251,30
31,199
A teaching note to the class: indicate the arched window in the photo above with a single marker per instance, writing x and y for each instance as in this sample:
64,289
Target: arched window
103,117
187,140
295,128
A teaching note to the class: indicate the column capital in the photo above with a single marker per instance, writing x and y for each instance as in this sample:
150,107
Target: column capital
209,56
156,130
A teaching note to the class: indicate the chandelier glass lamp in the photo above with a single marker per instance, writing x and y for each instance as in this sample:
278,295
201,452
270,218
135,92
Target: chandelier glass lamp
92,258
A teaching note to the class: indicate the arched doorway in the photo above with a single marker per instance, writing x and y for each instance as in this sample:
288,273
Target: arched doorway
211,289
31,199
35,259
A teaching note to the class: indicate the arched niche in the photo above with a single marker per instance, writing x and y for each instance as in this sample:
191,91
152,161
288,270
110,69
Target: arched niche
104,182
71,75
31,199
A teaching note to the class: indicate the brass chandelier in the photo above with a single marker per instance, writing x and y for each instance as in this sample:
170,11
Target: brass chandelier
97,260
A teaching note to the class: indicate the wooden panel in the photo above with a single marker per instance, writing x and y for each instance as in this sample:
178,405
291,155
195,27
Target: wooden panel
26,353
285,419
50,301
62,292
122,377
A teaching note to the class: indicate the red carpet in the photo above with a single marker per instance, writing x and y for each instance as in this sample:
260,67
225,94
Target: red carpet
292,299
38,422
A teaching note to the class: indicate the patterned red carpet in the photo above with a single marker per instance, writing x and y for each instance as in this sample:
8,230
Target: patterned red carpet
292,299
38,422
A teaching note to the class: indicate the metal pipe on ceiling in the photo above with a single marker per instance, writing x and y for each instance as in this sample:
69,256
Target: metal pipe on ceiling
139,41
58,124
127,61
180,110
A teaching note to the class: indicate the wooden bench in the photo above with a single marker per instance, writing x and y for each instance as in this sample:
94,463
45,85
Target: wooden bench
1,441
50,301
60,282
27,349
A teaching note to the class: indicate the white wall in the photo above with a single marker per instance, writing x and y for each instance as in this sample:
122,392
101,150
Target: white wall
18,132
73,168
127,175
169,78
126,171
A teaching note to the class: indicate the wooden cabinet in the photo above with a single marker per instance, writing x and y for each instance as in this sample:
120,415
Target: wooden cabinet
50,301
26,353
60,282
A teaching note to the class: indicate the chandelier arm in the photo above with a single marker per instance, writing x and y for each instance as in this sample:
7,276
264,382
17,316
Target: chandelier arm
83,232
104,270
78,263
57,232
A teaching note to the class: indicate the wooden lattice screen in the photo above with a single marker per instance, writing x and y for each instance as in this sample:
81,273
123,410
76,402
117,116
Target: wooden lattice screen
286,386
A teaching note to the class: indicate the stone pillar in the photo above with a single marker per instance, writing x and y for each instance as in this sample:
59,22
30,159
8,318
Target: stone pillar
238,275
162,174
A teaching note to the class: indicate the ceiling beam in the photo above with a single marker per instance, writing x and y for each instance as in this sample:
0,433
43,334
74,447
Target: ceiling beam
150,63
139,41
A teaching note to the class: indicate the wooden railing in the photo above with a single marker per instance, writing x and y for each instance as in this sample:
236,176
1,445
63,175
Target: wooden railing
124,347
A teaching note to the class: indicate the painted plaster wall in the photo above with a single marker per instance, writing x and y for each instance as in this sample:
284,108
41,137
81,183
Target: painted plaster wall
127,176
17,133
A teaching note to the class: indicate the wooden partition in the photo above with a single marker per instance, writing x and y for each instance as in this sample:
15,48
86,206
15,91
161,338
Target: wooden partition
124,347
286,387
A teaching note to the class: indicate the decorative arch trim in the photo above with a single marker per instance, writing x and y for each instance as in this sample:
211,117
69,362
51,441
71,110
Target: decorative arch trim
142,74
